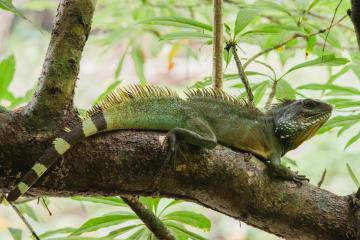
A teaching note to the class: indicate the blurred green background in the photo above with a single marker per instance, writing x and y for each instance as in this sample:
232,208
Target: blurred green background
126,47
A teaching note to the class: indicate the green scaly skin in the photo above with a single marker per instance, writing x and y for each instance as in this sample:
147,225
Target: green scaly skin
204,119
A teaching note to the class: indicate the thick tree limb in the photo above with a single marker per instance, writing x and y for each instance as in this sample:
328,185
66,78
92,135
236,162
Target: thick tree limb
155,225
54,94
354,14
229,182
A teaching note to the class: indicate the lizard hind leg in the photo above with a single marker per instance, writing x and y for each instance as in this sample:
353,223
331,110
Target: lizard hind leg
196,132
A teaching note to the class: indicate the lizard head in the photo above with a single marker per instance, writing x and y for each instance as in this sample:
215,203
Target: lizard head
298,120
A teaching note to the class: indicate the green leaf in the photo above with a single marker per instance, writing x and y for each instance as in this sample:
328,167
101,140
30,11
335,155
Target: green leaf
312,4
284,90
340,121
114,201
120,66
185,35
108,90
326,60
310,44
272,5
227,57
7,69
151,202
352,140
79,238
179,229
344,70
137,57
122,230
333,88
243,18
352,175
57,231
104,221
341,103
177,22
259,92
139,234
189,218
26,209
15,233
24,99
8,6
274,29
173,202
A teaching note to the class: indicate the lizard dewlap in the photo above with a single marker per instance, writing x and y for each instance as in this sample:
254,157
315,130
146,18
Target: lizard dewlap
206,117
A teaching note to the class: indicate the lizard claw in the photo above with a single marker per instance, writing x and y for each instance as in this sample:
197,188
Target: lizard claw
287,174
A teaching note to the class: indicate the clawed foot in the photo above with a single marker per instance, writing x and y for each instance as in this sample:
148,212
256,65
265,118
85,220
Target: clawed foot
287,174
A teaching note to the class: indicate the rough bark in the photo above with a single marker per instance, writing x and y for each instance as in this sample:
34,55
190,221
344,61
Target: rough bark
354,14
54,94
125,162
224,180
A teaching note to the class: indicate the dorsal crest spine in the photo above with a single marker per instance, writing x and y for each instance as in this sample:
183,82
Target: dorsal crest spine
216,94
131,93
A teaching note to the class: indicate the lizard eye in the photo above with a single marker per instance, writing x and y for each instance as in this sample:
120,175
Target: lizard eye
308,103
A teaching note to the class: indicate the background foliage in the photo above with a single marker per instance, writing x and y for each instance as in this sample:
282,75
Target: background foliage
168,42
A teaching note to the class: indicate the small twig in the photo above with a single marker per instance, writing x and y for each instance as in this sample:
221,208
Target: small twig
322,178
218,46
24,221
328,31
154,224
272,94
242,74
296,35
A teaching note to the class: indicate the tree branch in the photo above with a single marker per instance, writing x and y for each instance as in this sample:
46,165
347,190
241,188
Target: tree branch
354,14
230,182
53,98
218,46
242,75
155,225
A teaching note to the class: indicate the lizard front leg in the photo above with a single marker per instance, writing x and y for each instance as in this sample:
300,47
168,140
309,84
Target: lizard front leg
284,172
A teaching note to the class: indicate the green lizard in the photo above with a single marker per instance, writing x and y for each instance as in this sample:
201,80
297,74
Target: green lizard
205,118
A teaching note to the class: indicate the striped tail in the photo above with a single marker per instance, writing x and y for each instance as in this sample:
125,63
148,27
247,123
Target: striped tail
60,145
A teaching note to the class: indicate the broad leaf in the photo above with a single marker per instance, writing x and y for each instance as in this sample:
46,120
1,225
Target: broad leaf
177,228
104,221
284,90
177,22
16,233
123,230
189,218
244,17
7,69
326,60
57,231
335,89
185,35
8,6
